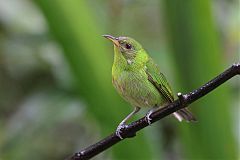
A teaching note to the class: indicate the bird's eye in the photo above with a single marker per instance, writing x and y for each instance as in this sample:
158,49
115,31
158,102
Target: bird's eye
128,46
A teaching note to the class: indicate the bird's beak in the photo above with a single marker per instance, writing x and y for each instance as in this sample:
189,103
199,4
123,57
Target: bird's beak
113,39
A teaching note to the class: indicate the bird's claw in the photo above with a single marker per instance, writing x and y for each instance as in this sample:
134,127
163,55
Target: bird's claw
119,129
148,119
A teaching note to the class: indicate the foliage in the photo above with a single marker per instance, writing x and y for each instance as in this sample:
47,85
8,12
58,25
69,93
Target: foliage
56,95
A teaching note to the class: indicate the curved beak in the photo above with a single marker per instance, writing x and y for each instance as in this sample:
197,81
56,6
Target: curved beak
113,39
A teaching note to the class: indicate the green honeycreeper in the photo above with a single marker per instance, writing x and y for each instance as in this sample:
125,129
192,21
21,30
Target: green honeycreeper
139,81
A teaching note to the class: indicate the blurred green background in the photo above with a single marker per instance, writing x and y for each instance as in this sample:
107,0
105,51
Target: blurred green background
56,95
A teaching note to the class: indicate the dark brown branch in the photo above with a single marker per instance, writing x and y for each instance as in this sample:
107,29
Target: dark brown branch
182,102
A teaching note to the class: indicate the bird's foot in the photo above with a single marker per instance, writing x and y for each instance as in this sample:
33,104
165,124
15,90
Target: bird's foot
119,129
148,118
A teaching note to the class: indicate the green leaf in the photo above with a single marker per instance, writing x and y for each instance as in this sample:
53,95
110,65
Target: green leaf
72,24
198,56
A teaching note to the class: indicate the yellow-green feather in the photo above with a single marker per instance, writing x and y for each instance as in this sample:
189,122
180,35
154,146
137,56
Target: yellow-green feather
132,83
159,80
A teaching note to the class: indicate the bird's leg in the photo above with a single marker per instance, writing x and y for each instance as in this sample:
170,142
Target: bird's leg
123,125
149,113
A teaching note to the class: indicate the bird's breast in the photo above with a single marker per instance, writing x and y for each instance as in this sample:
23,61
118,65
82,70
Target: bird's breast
135,88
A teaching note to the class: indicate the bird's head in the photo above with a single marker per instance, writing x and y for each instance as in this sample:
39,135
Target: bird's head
126,46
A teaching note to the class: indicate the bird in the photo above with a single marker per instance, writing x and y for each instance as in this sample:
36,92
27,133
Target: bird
139,81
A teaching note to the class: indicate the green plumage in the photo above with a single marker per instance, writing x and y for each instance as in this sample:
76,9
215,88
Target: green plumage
134,86
138,79
131,72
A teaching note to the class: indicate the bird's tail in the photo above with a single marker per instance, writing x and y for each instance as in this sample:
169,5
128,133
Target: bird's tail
184,114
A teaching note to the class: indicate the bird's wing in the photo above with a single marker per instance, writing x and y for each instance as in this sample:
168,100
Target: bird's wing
159,80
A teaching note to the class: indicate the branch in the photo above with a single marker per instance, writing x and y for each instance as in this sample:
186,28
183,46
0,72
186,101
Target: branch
182,102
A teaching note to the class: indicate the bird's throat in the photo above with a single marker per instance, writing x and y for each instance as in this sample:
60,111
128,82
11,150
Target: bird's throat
119,61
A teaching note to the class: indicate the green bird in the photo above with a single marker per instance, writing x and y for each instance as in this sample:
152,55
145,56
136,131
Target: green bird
139,81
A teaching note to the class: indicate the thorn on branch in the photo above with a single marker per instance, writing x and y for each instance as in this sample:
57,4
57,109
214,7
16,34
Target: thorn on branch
182,98
236,66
